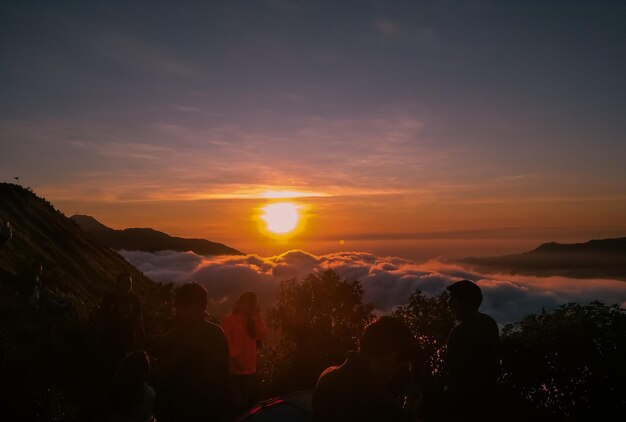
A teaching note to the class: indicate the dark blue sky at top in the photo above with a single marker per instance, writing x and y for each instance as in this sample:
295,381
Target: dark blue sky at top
528,85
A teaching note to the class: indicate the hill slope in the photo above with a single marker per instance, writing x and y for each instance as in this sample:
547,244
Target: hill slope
148,240
73,263
47,360
603,258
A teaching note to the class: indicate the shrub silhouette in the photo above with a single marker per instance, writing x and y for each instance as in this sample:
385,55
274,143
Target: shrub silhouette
319,319
568,364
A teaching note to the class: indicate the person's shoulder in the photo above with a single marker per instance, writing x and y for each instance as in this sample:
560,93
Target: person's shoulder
327,389
328,374
325,395
458,327
212,328
487,320
349,372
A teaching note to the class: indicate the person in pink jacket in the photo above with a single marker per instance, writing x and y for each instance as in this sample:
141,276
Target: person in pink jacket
244,328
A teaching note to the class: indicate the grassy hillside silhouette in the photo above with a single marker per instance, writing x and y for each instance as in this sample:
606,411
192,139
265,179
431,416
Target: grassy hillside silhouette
602,258
47,360
148,240
74,264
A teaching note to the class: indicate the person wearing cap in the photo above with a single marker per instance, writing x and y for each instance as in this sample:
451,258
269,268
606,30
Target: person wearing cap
192,364
362,388
472,360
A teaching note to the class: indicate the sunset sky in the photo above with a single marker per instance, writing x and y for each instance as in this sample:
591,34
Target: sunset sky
407,128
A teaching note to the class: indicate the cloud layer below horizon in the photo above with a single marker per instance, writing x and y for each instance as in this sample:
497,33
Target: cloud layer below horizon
387,281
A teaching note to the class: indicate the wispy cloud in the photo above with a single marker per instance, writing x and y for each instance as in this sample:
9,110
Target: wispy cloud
315,157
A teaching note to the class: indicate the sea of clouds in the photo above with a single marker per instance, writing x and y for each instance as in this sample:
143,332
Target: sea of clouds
387,281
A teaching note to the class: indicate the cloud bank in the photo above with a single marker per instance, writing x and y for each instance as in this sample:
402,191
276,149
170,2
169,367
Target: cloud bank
387,281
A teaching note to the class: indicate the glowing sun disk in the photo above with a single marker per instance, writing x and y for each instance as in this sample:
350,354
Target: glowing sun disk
281,218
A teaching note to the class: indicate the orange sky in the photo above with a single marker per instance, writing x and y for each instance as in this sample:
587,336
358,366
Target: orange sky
395,224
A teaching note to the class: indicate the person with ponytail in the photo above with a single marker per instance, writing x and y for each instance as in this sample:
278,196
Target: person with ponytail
245,330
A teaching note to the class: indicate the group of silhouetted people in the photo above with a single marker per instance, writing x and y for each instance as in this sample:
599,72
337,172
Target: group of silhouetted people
201,371
365,388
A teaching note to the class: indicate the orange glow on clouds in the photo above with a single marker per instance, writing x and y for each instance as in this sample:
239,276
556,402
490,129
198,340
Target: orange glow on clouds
278,194
260,192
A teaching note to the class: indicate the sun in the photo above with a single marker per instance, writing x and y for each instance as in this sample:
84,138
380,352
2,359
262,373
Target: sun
281,218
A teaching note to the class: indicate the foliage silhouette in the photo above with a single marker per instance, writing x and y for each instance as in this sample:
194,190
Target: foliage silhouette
569,364
319,319
430,320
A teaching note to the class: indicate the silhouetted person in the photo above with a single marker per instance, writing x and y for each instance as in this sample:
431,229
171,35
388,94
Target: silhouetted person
192,369
472,359
361,388
33,291
122,319
6,232
244,327
31,288
131,398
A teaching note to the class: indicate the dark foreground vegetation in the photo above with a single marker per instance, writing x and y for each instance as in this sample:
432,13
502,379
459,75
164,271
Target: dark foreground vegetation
568,364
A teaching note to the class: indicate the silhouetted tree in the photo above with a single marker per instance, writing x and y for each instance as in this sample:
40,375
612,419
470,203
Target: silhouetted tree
319,320
569,364
430,321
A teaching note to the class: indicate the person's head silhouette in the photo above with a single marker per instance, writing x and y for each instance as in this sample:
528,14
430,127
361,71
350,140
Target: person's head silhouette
465,298
247,303
190,301
387,344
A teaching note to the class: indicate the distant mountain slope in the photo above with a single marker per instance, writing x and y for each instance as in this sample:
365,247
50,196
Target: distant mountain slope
603,258
148,240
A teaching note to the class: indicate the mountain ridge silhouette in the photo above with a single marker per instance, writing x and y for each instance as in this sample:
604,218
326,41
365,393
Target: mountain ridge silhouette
597,258
148,239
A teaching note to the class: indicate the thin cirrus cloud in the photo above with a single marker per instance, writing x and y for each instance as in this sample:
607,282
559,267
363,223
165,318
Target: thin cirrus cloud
387,281
219,160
